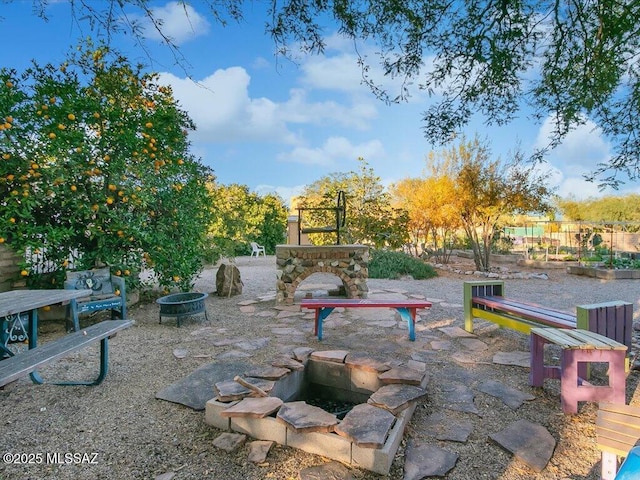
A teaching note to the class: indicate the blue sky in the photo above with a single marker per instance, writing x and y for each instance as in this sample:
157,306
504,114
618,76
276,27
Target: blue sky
275,125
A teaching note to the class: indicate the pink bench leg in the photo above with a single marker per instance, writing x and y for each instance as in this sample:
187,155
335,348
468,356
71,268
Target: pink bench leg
574,367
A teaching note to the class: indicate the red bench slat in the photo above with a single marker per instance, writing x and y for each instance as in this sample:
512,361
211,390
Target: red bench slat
529,311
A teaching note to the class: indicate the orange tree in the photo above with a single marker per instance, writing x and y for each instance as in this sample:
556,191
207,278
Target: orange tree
95,170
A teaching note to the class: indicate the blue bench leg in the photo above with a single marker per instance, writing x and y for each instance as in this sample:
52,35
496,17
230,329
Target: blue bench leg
104,369
410,316
321,314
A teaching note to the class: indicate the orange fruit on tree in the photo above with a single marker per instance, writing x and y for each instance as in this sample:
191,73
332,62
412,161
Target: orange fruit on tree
52,100
148,124
52,135
71,116
112,187
12,220
1,239
61,126
24,273
176,278
109,200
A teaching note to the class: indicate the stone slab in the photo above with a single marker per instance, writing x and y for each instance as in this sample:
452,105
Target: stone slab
529,442
405,375
447,427
336,356
229,442
253,407
303,418
268,373
511,397
396,397
258,450
229,390
328,471
366,425
456,332
197,388
427,461
519,359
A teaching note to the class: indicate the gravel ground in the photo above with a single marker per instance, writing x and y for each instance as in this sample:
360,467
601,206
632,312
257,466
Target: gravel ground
136,436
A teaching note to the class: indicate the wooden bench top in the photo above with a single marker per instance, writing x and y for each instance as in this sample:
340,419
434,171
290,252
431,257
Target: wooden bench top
313,303
617,428
24,363
529,311
578,339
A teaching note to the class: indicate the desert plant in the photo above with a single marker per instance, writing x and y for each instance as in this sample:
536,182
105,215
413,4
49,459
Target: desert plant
393,265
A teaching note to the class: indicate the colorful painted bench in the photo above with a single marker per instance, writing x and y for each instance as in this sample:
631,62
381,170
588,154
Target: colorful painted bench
579,348
617,435
324,306
486,300
26,363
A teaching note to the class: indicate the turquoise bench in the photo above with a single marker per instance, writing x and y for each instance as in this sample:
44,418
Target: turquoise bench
108,293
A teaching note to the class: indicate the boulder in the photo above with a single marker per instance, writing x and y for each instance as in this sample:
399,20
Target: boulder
228,280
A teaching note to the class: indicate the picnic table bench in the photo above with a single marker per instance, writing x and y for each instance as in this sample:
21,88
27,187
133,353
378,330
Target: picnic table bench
26,363
324,306
486,300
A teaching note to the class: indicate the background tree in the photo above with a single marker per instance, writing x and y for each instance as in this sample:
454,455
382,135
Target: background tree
370,218
431,204
95,170
243,217
609,208
573,61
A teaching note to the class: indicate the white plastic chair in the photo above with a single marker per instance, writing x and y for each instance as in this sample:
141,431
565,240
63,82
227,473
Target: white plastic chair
257,249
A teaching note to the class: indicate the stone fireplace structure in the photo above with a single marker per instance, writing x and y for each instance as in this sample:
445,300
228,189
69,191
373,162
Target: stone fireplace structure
296,262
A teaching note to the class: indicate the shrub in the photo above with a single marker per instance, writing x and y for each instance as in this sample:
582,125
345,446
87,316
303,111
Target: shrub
393,265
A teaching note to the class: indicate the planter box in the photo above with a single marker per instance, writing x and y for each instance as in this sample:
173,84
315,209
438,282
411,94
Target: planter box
604,273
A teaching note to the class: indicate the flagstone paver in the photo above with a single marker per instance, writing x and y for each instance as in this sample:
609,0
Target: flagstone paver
258,450
365,362
268,373
229,390
405,375
510,396
337,356
229,442
253,407
396,397
519,359
328,471
366,425
473,344
529,442
304,418
445,426
427,461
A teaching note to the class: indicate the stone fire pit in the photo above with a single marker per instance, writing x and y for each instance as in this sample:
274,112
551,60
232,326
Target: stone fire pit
181,305
384,395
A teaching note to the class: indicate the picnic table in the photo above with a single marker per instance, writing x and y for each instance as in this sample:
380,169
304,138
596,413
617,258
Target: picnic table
19,314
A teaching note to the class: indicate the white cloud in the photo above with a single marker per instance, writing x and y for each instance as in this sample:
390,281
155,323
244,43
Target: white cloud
285,193
333,151
179,22
582,148
300,110
338,70
223,111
